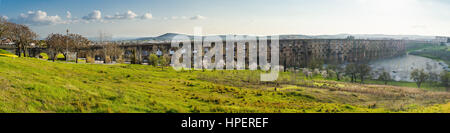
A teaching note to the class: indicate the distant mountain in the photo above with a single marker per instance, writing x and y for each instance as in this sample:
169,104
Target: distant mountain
359,36
169,36
165,37
376,36
295,37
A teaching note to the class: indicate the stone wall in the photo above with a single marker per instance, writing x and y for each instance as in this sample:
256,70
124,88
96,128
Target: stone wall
293,53
298,53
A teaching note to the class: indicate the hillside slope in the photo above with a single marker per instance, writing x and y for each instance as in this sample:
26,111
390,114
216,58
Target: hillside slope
33,85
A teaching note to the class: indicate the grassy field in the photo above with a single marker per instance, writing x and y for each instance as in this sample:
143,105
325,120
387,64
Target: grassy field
34,85
433,86
4,53
417,46
440,53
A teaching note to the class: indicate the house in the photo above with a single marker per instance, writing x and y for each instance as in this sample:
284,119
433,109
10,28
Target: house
6,41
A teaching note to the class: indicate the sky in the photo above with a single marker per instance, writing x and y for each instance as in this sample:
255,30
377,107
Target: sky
144,18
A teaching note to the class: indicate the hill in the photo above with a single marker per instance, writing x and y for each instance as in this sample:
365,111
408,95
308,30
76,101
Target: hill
169,36
34,85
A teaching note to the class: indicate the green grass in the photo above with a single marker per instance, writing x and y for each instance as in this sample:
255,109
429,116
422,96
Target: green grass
439,53
418,46
33,85
426,86
4,52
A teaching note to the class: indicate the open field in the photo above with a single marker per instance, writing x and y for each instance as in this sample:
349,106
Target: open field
34,85
441,53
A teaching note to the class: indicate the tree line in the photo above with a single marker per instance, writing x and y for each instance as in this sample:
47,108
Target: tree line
362,71
24,38
21,35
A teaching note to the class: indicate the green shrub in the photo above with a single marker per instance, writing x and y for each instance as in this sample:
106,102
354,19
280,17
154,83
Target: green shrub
59,56
153,60
43,56
4,52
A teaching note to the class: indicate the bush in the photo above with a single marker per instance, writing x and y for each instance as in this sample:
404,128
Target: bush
120,60
108,59
90,60
153,60
43,56
60,56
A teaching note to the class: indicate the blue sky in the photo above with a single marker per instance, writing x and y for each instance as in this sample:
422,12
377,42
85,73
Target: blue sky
125,18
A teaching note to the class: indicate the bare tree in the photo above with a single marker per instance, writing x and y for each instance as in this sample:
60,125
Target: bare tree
113,51
419,76
338,70
4,28
103,38
385,77
363,70
77,43
315,63
432,77
445,79
55,44
22,36
352,71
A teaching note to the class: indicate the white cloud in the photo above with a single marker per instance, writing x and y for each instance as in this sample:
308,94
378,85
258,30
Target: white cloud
69,15
177,17
127,15
197,17
4,17
37,18
95,15
147,16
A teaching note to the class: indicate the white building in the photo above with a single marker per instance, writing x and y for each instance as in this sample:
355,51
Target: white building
443,40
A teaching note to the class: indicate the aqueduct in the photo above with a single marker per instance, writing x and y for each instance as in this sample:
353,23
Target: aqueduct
293,52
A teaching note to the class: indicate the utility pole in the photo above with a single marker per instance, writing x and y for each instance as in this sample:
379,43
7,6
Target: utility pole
101,37
67,44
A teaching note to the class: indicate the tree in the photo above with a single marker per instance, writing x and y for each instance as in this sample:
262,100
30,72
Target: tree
433,77
22,36
385,77
315,63
363,70
153,60
337,69
324,74
55,44
351,70
445,79
330,73
4,28
113,51
419,76
77,43
164,61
